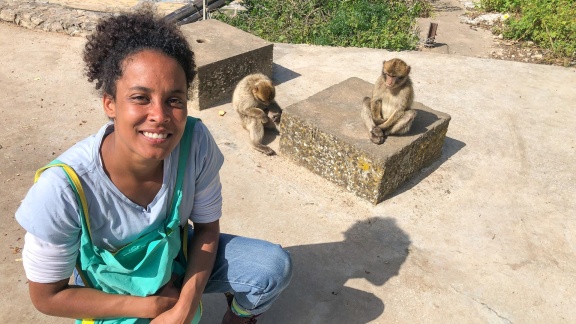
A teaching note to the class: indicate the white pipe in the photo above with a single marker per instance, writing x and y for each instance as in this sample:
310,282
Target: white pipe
204,10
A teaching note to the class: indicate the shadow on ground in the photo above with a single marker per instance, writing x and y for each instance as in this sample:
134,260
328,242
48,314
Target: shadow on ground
451,147
281,74
320,292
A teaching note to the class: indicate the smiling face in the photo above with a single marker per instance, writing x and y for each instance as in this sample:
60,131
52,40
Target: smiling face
149,109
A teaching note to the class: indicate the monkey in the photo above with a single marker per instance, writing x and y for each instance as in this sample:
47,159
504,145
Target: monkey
389,111
253,100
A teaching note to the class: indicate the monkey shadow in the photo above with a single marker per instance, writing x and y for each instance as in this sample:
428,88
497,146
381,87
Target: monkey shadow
269,136
372,252
421,123
281,74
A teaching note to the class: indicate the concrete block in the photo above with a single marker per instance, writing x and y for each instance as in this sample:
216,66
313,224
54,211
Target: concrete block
224,55
325,134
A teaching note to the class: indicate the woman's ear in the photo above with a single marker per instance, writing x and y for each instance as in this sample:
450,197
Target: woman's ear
109,106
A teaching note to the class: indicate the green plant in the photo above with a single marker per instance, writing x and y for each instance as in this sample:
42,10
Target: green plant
501,5
363,23
549,23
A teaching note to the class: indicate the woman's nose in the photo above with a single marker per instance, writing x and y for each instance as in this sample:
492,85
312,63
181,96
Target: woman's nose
158,112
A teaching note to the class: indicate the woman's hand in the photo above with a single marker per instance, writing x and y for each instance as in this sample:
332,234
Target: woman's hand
165,298
172,316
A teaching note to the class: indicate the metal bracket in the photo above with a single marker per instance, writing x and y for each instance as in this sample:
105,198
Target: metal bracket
431,35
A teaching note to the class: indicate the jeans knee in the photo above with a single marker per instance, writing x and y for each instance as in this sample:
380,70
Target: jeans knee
281,268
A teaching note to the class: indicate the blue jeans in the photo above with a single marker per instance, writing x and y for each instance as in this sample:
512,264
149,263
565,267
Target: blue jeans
255,271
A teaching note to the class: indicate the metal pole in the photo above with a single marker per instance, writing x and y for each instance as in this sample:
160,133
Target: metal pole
204,10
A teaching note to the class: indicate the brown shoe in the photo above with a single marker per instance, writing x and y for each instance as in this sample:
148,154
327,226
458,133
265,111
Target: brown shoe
231,318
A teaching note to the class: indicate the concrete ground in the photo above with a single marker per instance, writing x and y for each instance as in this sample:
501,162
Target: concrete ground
487,234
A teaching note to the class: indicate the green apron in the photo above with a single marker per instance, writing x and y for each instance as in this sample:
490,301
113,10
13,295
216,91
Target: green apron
143,266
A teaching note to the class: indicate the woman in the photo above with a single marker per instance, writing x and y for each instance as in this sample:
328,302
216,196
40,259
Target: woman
141,178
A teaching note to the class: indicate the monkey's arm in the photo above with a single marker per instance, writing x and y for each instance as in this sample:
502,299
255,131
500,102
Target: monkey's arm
257,113
377,111
398,104
393,119
376,134
274,112
366,114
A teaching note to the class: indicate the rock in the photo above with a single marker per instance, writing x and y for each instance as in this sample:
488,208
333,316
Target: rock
8,15
224,55
469,5
486,19
50,17
36,21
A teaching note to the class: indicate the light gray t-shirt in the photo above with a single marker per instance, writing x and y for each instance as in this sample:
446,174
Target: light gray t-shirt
49,212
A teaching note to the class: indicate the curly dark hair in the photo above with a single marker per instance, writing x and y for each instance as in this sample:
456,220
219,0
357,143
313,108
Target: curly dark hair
118,37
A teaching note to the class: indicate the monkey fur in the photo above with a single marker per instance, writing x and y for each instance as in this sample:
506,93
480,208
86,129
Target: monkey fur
389,111
253,100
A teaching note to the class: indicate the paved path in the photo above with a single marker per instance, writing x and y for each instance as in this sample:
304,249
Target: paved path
487,234
453,36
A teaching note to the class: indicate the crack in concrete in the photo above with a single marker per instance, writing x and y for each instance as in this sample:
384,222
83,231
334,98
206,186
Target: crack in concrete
492,310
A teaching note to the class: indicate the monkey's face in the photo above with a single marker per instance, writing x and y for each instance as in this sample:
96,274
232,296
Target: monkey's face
264,93
395,73
393,81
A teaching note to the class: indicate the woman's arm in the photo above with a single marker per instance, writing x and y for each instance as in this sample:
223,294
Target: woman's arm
201,256
61,299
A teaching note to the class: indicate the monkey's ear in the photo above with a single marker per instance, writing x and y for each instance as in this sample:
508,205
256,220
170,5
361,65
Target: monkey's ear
109,106
383,62
407,69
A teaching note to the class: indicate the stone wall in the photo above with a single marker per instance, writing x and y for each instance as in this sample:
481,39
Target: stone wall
50,17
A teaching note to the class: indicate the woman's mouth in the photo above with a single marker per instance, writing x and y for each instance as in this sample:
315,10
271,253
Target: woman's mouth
155,135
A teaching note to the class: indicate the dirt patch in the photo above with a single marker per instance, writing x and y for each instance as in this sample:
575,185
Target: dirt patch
528,52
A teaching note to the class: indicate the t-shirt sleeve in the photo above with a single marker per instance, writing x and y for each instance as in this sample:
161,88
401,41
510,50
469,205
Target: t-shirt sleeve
208,189
49,215
46,262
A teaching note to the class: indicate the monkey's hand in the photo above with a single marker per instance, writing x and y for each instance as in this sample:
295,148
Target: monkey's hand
379,121
377,136
276,117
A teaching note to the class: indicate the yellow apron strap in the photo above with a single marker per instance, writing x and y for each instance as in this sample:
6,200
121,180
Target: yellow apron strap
75,181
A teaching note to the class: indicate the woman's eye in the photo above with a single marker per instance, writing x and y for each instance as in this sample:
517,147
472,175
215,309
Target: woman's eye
139,99
176,102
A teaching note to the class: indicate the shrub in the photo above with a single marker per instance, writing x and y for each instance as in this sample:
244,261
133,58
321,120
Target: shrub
363,23
500,5
550,23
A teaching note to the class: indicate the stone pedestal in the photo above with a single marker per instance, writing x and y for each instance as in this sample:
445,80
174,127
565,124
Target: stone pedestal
224,55
325,134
